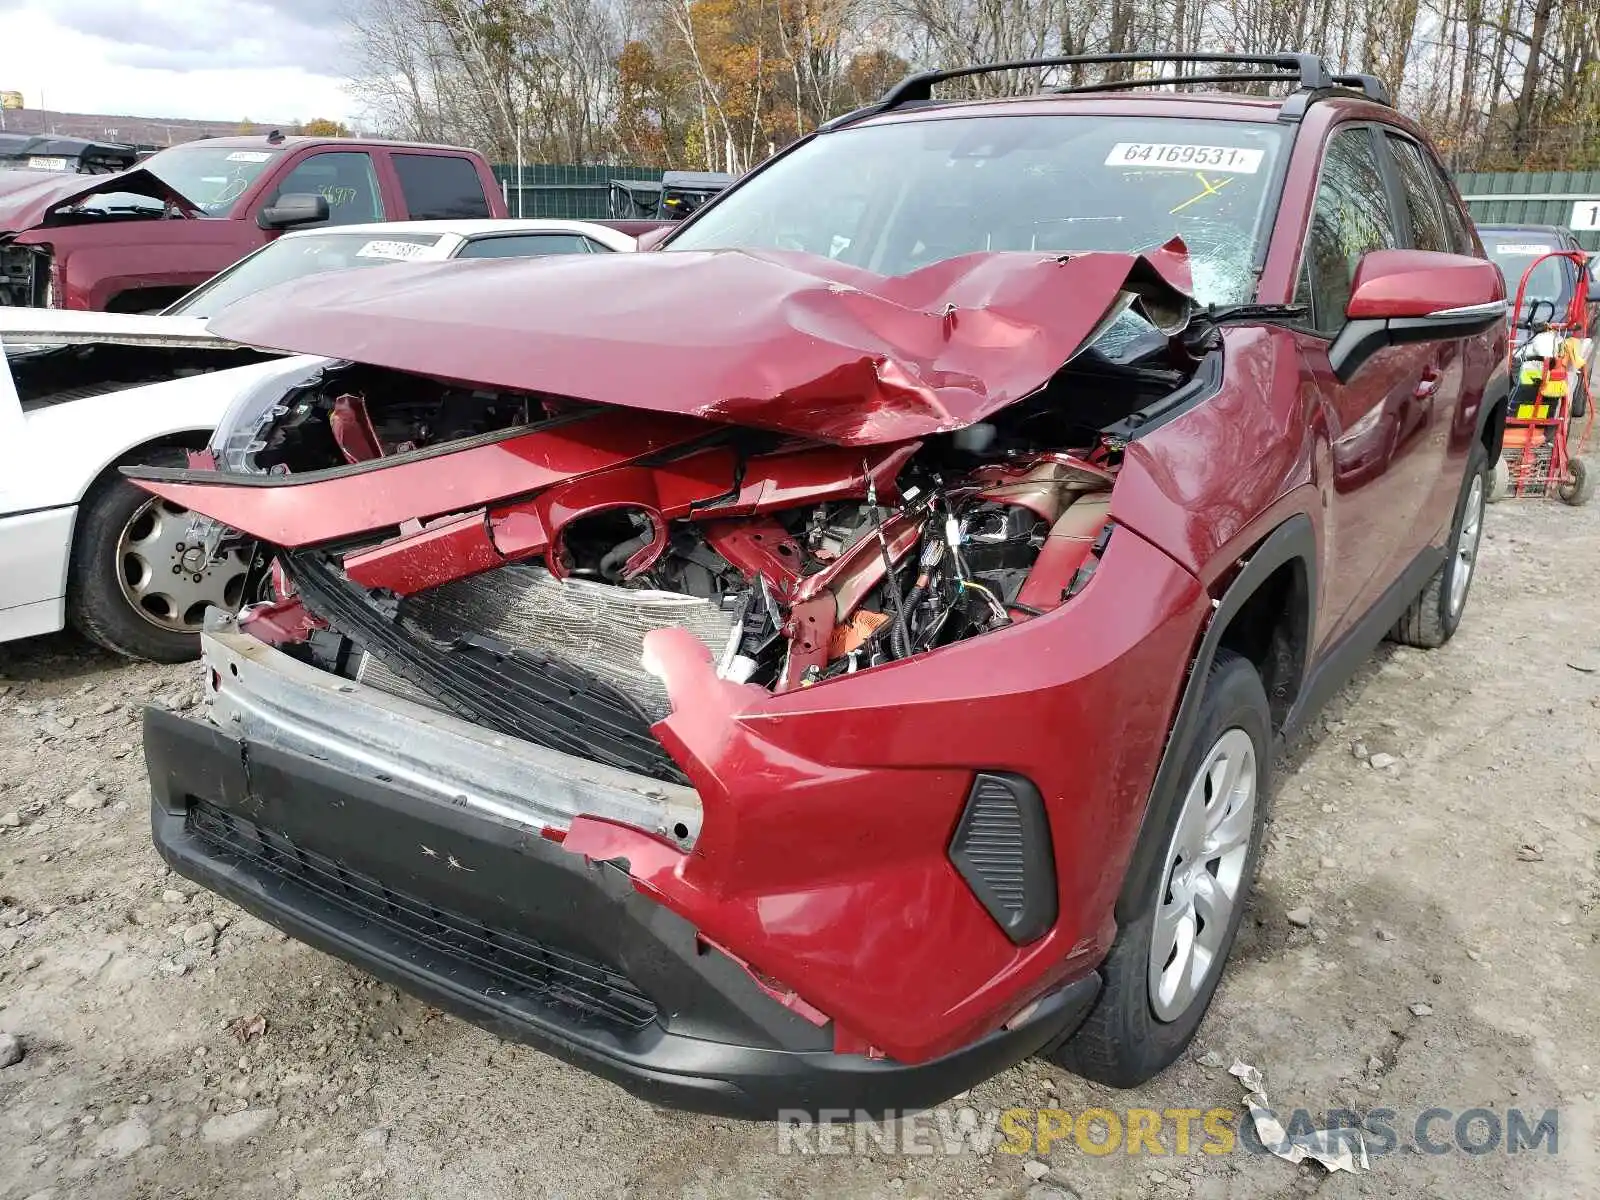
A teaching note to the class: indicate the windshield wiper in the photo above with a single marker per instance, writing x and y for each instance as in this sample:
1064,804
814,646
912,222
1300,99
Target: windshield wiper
155,208
1226,314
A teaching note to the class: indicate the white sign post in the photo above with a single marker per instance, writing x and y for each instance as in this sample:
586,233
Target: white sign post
1585,215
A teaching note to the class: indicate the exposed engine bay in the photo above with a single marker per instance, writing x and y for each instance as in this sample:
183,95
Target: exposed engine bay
792,562
857,476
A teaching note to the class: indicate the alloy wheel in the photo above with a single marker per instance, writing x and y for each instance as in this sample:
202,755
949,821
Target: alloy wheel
164,575
1204,880
1466,555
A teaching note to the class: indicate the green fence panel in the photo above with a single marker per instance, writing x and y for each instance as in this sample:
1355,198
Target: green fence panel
1570,198
574,193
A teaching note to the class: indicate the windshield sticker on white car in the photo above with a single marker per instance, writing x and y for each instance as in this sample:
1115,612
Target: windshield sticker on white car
383,248
249,156
1519,248
38,163
1174,156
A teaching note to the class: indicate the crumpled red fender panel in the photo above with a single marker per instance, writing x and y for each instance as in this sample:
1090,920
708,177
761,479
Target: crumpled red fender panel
771,339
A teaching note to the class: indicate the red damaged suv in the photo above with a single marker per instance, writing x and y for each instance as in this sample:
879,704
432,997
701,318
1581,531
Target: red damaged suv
826,660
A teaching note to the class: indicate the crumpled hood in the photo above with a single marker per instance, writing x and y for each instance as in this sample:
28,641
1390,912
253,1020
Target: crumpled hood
27,197
776,340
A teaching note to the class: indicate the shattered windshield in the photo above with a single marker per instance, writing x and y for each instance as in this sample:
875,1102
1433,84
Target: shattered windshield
212,178
892,198
297,257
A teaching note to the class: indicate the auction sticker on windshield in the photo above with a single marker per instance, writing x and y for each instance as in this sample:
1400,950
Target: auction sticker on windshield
249,156
36,163
385,248
1173,156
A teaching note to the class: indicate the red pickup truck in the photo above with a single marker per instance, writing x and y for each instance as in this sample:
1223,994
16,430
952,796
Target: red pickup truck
137,240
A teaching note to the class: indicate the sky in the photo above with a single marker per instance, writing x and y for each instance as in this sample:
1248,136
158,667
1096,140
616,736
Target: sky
266,60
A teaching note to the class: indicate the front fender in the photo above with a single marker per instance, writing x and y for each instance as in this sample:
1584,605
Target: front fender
95,263
1206,486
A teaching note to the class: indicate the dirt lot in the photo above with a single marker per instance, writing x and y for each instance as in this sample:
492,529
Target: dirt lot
1449,961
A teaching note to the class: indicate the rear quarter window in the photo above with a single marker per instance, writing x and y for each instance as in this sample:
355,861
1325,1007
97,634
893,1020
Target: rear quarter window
438,187
529,245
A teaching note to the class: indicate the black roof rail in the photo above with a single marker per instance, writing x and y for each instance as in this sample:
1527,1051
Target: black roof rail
1370,86
1117,85
1306,70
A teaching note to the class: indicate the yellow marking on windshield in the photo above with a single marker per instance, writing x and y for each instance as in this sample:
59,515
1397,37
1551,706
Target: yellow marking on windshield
1211,189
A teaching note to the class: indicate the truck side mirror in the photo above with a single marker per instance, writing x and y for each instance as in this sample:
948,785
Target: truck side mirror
297,208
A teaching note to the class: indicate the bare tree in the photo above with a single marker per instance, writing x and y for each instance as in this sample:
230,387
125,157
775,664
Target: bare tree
716,83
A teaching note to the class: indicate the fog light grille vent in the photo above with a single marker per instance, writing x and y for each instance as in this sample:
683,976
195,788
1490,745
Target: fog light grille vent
1002,849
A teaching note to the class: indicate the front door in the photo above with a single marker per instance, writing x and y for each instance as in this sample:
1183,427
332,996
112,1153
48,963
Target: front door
1374,425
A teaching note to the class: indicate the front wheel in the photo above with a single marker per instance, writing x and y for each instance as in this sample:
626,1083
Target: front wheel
137,585
1579,486
1434,616
1165,964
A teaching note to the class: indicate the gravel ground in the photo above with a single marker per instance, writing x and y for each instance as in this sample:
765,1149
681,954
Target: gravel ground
1436,844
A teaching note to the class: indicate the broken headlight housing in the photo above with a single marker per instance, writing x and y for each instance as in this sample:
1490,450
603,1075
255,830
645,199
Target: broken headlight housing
240,433
239,436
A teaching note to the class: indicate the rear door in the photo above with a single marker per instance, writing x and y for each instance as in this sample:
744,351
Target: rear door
1372,423
437,186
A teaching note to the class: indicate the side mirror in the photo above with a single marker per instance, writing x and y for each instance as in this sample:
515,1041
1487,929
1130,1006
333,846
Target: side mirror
297,208
1594,279
1404,296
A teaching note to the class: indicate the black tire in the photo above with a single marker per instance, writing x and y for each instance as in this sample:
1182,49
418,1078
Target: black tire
1580,398
96,604
1431,621
1123,1043
1580,488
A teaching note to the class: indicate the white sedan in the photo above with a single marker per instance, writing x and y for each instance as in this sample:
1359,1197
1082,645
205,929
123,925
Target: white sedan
83,394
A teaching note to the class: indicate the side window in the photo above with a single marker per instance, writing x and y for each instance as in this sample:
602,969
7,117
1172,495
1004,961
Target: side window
1428,230
1351,217
527,245
1461,237
440,187
345,178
